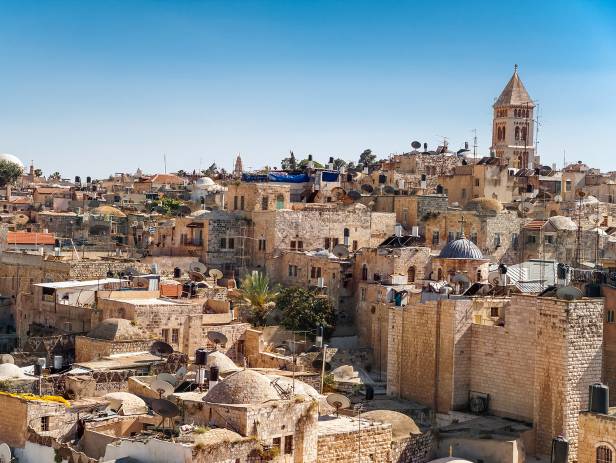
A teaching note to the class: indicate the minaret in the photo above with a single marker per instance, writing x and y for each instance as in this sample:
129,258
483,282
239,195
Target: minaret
513,126
239,168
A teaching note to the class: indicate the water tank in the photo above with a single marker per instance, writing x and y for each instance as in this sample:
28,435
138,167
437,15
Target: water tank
177,272
369,392
200,356
214,373
58,361
89,179
560,450
598,398
77,179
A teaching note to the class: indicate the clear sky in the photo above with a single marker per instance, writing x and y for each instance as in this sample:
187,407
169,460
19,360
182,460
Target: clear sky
91,88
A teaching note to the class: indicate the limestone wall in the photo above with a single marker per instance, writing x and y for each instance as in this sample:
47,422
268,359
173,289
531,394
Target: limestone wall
595,430
370,444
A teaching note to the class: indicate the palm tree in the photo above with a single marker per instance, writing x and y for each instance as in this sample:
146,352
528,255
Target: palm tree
257,296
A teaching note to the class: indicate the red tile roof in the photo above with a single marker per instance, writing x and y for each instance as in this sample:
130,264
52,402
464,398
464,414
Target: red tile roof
30,238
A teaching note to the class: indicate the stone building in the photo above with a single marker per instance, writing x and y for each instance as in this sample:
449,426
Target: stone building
109,337
597,440
533,364
461,263
513,127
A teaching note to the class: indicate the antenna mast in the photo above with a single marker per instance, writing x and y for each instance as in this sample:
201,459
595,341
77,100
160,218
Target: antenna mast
475,145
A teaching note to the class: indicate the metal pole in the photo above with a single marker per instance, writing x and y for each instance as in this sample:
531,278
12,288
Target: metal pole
323,367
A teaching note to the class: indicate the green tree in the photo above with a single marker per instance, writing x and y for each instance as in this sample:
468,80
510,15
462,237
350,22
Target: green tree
304,309
289,163
366,157
339,163
256,294
55,176
38,173
181,173
167,206
9,172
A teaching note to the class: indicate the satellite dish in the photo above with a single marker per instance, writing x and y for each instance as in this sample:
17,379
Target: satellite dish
341,251
215,273
131,271
338,401
416,145
196,276
354,195
167,377
163,388
165,408
197,267
580,193
388,189
5,453
161,349
569,293
367,188
217,338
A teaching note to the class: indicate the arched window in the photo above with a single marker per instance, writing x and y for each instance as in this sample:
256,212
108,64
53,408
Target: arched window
517,133
523,133
411,274
364,272
604,454
503,133
516,113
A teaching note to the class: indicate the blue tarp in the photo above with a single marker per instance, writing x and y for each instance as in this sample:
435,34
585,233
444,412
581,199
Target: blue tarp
288,178
330,176
254,178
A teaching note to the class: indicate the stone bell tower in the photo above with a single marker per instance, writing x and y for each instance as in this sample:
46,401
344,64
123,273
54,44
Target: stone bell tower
513,126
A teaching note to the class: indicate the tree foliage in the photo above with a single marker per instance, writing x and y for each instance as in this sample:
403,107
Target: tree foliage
366,157
338,163
211,171
38,172
304,309
289,163
9,172
167,206
258,296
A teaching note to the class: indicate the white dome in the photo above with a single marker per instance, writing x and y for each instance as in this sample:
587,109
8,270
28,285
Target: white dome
10,371
205,181
11,158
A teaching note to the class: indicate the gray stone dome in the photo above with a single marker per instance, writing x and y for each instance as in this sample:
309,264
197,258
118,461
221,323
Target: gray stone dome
116,329
242,387
461,249
401,424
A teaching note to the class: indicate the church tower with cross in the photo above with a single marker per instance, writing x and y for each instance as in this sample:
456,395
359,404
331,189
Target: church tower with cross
513,125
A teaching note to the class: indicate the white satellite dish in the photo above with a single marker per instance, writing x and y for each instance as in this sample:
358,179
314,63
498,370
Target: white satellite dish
215,273
341,251
197,267
5,453
338,401
167,377
163,388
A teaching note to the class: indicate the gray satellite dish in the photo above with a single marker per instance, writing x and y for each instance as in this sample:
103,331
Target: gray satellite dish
416,145
217,338
160,349
367,188
5,453
181,373
167,377
163,388
216,274
166,409
388,189
569,293
354,195
341,251
338,401
197,267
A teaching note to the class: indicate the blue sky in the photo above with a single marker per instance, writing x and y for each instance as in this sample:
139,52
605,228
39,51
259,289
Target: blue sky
91,88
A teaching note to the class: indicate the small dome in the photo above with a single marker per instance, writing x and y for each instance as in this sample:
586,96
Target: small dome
108,211
484,205
224,363
205,181
6,358
11,158
125,403
242,387
401,424
461,249
10,371
116,329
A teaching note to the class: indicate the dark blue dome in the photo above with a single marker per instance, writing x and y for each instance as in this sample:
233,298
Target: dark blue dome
461,249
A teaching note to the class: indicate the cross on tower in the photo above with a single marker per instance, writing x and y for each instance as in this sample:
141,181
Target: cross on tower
462,221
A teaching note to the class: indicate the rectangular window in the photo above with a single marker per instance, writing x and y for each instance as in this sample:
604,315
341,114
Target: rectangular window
235,203
435,237
610,316
223,243
463,192
231,243
363,294
290,270
568,185
450,237
474,237
549,239
327,243
175,335
335,242
315,272
497,240
165,335
264,203
261,244
493,311
242,203
355,245
514,241
405,216
300,245
476,182
44,423
276,442
288,445
293,245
